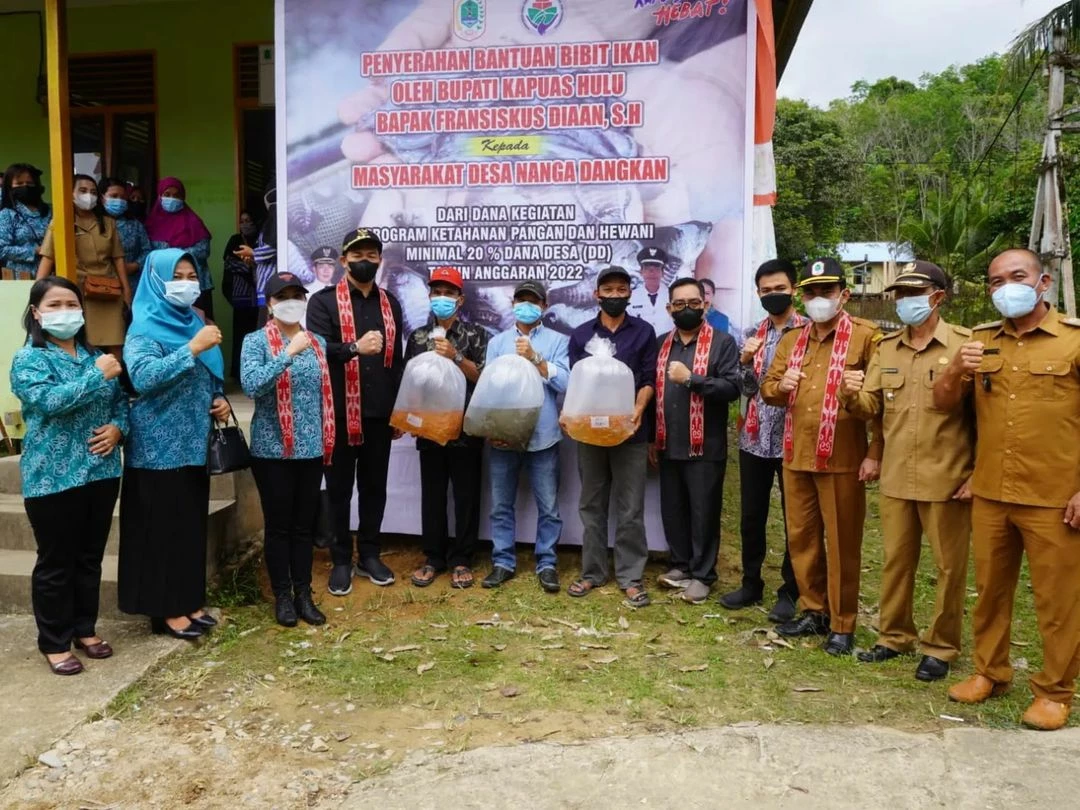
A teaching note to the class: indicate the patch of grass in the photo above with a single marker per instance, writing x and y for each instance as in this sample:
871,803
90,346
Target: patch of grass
237,588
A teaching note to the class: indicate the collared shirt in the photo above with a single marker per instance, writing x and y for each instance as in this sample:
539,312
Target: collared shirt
170,421
635,345
770,438
718,320
96,249
928,453
378,384
553,347
469,339
652,308
22,230
64,399
718,386
850,445
1027,410
259,374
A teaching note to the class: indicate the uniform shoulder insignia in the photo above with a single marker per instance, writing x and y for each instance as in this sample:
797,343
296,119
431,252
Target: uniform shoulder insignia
989,325
961,330
1071,321
891,335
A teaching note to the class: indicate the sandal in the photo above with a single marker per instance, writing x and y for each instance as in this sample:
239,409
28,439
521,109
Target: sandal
581,587
636,597
424,575
462,577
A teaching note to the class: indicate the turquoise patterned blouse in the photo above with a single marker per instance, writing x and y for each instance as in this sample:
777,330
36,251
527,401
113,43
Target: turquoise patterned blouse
259,371
200,252
64,399
170,421
136,244
21,233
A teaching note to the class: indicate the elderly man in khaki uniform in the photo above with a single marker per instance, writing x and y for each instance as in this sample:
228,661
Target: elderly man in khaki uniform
827,461
929,456
1026,375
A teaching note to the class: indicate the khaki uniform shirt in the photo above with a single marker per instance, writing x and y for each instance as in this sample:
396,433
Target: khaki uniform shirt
851,446
929,453
1027,409
95,251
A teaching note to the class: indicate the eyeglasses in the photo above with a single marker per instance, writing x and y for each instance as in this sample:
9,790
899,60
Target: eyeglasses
693,303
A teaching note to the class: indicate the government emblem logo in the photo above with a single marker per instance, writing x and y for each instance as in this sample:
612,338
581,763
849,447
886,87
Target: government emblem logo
542,15
469,19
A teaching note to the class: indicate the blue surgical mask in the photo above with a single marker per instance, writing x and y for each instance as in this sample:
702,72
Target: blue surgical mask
63,324
182,293
115,207
443,306
171,205
914,310
1016,299
527,313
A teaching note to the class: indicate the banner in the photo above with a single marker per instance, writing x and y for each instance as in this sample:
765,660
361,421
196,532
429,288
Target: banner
520,139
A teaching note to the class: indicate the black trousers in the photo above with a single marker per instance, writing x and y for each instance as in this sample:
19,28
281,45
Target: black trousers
289,493
691,497
756,476
71,529
366,467
441,467
245,320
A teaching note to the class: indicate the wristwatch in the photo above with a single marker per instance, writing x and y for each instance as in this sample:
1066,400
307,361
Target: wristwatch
459,358
537,359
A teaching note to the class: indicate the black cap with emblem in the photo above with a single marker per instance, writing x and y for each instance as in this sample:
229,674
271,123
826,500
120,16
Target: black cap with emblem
279,282
920,274
360,236
822,271
324,254
652,255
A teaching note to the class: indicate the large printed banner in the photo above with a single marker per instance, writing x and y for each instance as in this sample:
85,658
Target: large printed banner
519,139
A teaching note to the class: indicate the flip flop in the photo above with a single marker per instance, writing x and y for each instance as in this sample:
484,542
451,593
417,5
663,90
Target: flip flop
427,574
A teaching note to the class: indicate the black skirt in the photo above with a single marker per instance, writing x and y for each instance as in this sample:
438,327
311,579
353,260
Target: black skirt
163,519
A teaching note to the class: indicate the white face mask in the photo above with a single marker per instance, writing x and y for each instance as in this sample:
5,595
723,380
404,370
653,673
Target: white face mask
182,293
821,310
86,201
291,311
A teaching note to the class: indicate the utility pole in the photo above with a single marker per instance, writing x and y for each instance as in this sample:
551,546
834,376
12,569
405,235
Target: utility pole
1050,222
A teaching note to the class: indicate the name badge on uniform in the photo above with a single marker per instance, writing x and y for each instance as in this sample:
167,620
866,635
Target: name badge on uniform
890,371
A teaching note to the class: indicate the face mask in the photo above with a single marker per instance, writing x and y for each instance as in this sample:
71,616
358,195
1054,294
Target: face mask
115,207
443,306
291,311
247,229
85,202
776,303
182,293
1015,300
822,310
914,310
26,194
687,319
64,324
171,204
363,271
527,312
137,209
614,306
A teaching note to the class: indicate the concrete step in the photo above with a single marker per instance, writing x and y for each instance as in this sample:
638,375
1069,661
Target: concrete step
16,568
222,487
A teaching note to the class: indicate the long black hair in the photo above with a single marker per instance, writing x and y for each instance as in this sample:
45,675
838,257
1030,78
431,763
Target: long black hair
99,209
13,171
105,184
35,335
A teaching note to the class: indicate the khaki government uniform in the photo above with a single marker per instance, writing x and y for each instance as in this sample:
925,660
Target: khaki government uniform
825,509
95,252
929,454
1027,467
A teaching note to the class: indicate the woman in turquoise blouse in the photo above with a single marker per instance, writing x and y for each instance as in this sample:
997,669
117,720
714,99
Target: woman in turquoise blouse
175,365
283,368
75,415
114,197
24,219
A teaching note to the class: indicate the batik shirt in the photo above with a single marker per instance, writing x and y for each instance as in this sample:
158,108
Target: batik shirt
22,231
136,245
770,439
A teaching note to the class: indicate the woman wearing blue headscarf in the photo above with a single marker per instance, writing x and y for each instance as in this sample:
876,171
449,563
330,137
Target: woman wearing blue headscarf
175,365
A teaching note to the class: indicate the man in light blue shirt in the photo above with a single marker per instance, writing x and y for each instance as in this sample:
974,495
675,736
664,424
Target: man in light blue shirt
547,350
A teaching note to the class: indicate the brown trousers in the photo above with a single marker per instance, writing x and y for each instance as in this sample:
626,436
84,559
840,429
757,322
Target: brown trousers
947,526
824,514
1002,533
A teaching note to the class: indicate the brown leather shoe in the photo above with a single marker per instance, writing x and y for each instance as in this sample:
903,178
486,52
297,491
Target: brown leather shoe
976,689
1046,715
97,651
69,666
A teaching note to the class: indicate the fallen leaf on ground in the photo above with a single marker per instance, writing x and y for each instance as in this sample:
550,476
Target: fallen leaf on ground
386,657
768,662
344,636
654,639
404,648
623,623
606,659
485,622
498,647
683,622
551,646
1020,643
437,638
596,646
439,626
424,667
784,643
807,689
565,623
694,668
950,718
509,691
341,736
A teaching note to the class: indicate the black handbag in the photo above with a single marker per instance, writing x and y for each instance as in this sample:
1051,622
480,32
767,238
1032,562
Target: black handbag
227,450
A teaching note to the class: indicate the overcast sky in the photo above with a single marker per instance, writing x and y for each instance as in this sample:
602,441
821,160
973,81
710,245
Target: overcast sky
843,41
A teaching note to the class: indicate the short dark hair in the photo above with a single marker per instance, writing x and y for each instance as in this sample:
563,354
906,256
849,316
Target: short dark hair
13,171
682,282
774,266
35,335
708,282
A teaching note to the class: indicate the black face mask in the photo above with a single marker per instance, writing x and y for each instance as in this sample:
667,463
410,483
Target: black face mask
137,209
687,319
614,306
27,194
776,303
363,271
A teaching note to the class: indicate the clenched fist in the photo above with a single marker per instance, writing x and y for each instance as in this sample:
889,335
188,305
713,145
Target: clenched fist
750,348
853,382
791,379
300,343
206,338
109,366
970,356
370,343
524,348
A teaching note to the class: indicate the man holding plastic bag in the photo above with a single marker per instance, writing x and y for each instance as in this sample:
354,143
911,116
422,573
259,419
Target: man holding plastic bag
605,412
525,365
697,375
456,461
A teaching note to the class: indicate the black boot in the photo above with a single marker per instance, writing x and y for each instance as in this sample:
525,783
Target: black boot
284,611
306,609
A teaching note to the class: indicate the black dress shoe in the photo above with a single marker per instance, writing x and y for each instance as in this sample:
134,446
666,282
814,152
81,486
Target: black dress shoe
808,624
931,669
497,577
284,611
549,580
740,598
839,643
192,632
97,651
877,654
306,610
206,621
783,610
67,666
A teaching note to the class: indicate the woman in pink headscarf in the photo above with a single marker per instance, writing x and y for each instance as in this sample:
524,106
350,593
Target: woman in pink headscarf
172,224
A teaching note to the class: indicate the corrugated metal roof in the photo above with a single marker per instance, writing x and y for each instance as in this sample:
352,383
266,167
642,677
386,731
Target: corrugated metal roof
876,252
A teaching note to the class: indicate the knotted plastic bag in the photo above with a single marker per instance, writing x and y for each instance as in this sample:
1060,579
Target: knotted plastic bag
505,405
599,404
431,401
